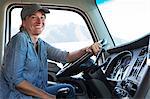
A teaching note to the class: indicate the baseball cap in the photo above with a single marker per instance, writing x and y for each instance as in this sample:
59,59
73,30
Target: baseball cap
30,9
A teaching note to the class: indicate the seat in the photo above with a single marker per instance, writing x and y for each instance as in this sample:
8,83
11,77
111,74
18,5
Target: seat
52,70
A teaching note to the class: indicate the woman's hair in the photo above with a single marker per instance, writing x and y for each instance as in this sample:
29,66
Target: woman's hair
21,28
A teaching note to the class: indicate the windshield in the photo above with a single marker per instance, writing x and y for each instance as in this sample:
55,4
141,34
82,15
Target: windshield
126,20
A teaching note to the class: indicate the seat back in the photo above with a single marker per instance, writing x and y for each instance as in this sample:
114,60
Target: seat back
52,70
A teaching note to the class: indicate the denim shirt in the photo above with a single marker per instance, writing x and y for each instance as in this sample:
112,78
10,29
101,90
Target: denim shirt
22,62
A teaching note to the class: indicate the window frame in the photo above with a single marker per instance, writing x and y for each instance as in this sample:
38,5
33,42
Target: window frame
56,7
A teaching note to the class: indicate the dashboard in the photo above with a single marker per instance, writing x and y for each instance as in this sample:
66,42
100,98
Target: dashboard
128,66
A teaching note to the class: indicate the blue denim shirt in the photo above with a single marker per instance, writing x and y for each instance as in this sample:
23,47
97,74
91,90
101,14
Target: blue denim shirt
22,62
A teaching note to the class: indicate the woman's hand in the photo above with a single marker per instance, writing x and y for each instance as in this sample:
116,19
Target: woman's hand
28,89
94,48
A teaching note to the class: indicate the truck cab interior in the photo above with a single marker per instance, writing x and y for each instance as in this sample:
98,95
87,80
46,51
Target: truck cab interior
120,70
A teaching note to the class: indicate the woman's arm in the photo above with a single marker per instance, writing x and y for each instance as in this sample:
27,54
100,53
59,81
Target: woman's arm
94,48
28,89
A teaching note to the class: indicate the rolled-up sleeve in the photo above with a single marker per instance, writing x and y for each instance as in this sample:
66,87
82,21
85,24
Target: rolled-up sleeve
56,54
14,59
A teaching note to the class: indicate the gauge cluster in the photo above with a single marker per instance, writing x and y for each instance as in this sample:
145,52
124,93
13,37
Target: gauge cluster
119,65
128,67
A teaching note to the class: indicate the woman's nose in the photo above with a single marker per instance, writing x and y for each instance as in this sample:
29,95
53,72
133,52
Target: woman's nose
39,20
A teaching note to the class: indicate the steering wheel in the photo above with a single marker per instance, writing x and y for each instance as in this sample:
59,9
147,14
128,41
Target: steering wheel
74,68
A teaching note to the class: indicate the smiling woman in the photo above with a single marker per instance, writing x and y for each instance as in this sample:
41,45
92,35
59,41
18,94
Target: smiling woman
26,73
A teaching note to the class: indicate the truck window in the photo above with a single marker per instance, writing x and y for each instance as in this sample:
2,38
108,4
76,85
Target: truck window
66,30
126,20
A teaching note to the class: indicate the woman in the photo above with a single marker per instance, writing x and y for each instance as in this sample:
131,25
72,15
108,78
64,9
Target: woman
24,73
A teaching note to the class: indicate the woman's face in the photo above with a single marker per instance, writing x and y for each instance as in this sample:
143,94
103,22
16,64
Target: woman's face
35,23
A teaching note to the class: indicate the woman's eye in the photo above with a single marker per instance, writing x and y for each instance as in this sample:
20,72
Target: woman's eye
43,17
33,17
36,17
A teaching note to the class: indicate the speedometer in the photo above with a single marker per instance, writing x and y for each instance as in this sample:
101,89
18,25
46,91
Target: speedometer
119,66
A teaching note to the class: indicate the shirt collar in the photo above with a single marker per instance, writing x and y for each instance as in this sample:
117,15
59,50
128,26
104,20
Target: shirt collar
29,38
